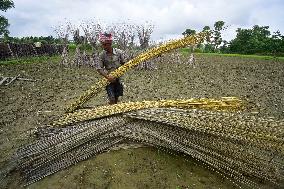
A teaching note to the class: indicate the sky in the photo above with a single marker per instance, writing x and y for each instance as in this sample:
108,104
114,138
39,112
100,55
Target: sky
170,17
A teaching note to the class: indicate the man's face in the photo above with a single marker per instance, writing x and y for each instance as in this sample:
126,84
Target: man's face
107,45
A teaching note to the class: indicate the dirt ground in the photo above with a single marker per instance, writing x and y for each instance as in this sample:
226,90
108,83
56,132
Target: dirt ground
25,105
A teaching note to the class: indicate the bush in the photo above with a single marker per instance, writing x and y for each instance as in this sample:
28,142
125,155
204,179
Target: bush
72,47
86,47
197,50
43,41
185,51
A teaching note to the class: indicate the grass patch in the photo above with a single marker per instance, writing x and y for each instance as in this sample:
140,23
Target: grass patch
242,55
30,60
187,51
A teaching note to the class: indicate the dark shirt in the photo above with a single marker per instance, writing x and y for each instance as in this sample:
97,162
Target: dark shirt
110,62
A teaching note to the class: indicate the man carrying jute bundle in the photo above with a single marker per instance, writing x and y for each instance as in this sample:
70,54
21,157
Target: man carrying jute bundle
109,60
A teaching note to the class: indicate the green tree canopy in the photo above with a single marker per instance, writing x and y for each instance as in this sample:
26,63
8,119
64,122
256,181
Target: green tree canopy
251,41
218,26
188,32
213,36
257,40
206,28
4,24
33,39
277,43
208,32
6,4
217,38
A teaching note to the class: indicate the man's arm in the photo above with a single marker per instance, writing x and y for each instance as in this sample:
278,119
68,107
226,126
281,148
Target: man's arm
109,77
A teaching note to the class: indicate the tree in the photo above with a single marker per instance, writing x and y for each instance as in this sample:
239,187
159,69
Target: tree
6,4
251,41
208,47
63,31
241,43
124,34
213,36
206,28
91,29
144,33
208,32
4,24
76,37
225,47
217,38
277,44
188,32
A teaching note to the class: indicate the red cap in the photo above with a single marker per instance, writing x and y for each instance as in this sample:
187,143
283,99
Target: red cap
105,37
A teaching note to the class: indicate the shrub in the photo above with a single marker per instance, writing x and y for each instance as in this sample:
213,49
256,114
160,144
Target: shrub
197,50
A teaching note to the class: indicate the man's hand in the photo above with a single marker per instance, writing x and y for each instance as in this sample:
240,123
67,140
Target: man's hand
110,78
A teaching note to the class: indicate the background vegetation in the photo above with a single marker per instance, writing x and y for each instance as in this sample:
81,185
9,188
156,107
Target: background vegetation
257,40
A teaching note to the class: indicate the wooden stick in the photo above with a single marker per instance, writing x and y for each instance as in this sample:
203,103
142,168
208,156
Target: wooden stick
3,80
24,79
13,79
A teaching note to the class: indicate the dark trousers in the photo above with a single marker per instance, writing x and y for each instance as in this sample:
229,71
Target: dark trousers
114,90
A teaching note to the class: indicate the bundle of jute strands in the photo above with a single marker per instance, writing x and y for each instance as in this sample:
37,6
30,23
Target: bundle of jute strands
151,53
235,144
225,103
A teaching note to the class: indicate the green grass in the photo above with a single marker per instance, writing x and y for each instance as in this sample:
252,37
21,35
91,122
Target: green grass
244,56
186,51
29,60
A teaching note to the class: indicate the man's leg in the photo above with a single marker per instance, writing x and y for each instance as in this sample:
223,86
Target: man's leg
118,90
112,101
111,93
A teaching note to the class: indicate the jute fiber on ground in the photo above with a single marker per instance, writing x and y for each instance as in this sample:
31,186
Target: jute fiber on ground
240,146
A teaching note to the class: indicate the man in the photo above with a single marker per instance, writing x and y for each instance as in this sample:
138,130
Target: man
109,60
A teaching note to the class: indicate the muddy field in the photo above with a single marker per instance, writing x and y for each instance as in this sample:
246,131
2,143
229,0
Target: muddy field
26,105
